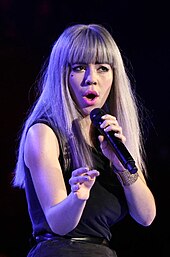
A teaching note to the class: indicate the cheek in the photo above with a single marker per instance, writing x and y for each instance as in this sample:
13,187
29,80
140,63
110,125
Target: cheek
107,87
73,86
71,77
108,82
74,81
71,81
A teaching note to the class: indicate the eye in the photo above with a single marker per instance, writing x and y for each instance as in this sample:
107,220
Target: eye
78,68
103,68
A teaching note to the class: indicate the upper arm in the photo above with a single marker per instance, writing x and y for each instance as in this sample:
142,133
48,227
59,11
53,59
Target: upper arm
41,155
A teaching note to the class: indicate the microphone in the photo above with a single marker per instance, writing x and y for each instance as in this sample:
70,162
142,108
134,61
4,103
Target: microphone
118,147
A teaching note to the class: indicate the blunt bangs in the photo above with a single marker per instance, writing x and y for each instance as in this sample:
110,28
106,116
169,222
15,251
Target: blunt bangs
90,47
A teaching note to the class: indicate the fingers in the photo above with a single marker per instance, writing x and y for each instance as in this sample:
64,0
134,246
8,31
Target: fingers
80,171
110,123
85,171
82,176
79,179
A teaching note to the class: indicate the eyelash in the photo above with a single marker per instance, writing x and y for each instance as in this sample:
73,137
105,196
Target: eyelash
79,68
104,69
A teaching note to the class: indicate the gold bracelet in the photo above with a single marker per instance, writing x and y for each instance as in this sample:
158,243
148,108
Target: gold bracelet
126,178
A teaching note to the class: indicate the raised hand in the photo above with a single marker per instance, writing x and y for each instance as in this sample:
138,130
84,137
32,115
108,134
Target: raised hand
110,123
81,182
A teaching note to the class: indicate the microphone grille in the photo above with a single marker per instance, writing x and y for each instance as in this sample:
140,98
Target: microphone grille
95,116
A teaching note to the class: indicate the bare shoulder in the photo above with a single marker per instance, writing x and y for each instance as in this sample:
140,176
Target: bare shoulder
40,141
40,129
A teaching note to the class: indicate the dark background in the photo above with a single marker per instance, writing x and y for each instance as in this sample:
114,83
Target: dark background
27,32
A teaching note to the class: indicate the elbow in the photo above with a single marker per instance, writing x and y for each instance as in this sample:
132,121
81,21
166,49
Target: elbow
60,226
145,219
147,222
60,229
148,219
57,222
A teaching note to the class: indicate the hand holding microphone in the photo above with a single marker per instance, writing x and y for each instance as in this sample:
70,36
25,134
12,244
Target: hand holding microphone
116,144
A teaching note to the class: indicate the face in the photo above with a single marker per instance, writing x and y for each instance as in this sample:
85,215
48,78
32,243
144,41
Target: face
90,85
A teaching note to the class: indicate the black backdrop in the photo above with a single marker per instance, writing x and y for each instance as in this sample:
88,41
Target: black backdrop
27,32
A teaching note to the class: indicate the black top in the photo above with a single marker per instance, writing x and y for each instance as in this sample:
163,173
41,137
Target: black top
105,206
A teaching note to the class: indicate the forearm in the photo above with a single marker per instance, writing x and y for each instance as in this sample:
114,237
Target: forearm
140,201
64,216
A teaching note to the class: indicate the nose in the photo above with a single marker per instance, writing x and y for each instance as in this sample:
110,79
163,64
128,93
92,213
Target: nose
91,78
90,82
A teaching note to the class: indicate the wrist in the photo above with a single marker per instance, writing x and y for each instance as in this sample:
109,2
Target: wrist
126,178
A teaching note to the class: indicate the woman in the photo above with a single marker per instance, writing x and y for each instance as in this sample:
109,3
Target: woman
75,185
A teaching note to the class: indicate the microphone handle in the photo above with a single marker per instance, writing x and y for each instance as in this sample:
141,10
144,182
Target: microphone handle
120,150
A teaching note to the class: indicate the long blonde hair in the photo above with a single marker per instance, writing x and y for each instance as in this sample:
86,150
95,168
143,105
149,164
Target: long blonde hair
87,44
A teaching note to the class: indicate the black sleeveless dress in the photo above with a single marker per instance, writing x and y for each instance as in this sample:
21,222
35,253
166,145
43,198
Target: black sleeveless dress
105,207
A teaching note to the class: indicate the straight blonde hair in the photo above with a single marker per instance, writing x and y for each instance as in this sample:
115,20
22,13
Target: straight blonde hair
82,44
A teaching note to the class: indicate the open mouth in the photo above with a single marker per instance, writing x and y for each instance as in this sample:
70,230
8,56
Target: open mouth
91,95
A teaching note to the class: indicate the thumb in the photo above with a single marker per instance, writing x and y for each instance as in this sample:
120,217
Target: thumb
101,138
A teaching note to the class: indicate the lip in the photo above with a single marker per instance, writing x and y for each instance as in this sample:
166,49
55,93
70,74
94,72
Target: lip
92,92
89,101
